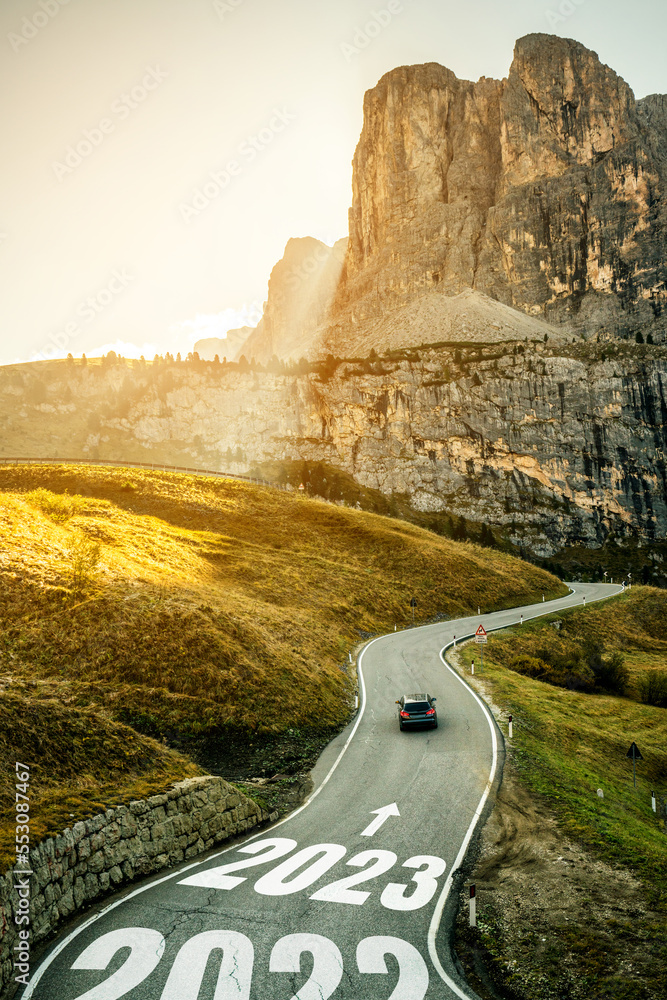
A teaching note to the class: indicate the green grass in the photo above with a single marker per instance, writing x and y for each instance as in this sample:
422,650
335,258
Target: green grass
567,744
632,624
218,616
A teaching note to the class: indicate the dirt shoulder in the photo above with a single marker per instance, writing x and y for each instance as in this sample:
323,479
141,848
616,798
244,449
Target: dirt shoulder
554,920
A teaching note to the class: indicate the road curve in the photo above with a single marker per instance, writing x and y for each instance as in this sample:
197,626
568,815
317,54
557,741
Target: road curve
338,899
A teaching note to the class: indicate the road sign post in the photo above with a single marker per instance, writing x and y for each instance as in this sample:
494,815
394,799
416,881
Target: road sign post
635,753
473,906
481,637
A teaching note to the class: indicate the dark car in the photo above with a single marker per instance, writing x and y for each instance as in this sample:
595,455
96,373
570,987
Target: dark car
417,710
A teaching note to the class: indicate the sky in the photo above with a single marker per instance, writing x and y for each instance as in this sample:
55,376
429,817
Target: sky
160,153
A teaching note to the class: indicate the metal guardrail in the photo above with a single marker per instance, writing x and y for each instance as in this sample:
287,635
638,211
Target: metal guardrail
153,466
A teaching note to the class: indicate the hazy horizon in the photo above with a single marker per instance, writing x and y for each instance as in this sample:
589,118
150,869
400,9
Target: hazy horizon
161,155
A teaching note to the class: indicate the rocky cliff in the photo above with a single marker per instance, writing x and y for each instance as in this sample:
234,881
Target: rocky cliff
557,444
507,245
229,346
545,191
302,287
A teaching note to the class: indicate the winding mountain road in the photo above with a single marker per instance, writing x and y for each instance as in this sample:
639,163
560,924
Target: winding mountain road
343,898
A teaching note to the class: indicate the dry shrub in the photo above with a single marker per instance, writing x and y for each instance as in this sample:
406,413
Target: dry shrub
652,688
59,507
83,556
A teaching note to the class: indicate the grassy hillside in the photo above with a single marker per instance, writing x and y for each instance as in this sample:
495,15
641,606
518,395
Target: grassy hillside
567,744
212,615
631,626
80,762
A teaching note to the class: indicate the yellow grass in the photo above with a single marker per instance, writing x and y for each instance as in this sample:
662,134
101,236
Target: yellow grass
216,609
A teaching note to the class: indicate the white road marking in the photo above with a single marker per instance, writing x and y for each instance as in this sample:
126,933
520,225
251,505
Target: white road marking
440,905
413,977
383,815
34,982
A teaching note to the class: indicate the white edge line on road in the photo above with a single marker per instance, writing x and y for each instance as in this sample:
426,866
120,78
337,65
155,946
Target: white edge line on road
440,905
435,921
34,981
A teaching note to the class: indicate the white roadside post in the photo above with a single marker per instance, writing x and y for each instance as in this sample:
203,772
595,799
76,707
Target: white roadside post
472,902
542,598
472,668
653,805
510,727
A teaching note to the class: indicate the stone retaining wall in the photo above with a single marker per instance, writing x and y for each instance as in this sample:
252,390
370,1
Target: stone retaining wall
99,855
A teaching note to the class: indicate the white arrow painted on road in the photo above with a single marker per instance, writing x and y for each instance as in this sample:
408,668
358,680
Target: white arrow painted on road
383,814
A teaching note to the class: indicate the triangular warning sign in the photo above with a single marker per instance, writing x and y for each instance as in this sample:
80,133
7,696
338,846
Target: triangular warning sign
480,634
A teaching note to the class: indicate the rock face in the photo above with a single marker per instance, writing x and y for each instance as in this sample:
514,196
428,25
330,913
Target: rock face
545,191
225,347
425,174
579,225
301,290
557,444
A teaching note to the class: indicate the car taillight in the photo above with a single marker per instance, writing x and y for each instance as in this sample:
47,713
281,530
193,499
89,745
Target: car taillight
431,711
405,715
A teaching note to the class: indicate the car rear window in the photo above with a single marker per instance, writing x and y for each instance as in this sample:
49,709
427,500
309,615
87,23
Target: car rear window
417,706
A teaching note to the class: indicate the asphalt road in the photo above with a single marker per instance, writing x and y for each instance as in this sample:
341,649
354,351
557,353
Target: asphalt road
325,907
